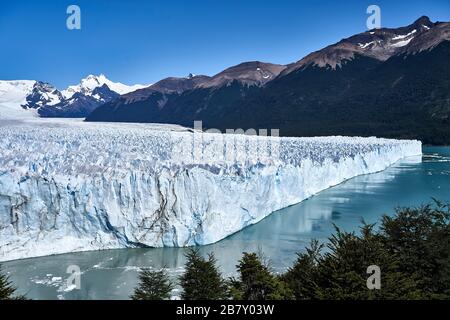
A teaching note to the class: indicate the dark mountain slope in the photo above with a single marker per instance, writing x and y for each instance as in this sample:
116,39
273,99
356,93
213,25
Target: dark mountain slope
181,100
386,82
408,96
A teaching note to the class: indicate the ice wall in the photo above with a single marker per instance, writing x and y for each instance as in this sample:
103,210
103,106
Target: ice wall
74,187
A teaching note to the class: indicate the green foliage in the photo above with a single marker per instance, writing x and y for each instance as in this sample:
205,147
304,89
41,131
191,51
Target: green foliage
153,285
7,291
202,279
420,239
412,249
256,282
302,277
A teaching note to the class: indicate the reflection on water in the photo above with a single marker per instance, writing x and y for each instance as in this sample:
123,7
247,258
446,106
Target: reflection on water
112,274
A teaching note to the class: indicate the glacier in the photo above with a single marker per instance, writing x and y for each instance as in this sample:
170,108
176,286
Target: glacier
68,185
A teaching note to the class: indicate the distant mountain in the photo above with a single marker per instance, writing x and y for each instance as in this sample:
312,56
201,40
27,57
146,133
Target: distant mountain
91,82
42,94
379,44
79,104
252,73
385,82
178,85
176,99
35,98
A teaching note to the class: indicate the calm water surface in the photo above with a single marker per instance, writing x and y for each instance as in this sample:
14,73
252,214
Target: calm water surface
113,274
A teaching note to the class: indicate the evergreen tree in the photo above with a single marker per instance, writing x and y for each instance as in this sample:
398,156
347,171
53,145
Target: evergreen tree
256,282
420,240
202,279
153,285
411,248
7,291
303,276
342,271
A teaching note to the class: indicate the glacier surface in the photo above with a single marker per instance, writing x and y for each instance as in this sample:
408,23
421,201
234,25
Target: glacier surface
69,186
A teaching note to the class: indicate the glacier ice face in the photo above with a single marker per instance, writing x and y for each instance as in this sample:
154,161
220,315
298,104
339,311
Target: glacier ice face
71,186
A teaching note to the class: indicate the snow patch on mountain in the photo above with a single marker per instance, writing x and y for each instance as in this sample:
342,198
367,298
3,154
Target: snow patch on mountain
70,186
402,43
365,45
400,37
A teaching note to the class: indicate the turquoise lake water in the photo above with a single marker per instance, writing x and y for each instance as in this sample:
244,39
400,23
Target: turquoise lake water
113,274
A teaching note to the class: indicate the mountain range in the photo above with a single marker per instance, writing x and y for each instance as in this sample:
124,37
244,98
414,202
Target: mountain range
390,82
25,98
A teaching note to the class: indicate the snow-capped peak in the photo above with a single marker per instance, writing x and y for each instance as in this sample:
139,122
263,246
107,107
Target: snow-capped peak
88,84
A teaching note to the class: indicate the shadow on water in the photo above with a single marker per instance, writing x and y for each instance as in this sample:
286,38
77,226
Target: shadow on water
113,274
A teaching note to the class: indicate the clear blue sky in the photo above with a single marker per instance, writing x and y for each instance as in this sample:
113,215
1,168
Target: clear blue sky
142,41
